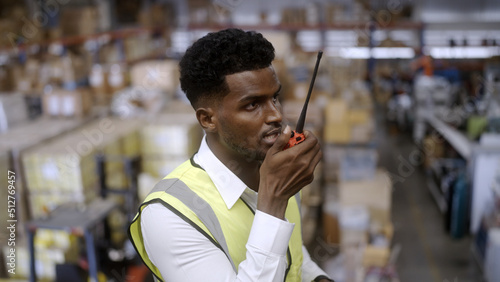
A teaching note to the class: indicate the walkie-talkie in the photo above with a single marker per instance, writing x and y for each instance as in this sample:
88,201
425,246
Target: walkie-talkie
298,136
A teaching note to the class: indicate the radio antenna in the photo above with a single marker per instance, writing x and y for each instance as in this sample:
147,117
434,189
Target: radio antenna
302,118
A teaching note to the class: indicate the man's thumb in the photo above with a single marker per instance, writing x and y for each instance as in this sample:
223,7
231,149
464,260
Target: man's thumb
282,140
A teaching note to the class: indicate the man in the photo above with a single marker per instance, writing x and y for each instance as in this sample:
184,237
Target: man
205,221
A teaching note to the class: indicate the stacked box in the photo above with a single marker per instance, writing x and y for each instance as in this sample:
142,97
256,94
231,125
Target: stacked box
105,80
17,26
155,75
13,110
354,223
334,13
331,207
344,74
52,247
282,43
344,124
358,164
169,140
198,11
314,117
349,163
293,16
28,135
157,15
63,169
124,141
67,103
79,20
375,194
62,165
354,209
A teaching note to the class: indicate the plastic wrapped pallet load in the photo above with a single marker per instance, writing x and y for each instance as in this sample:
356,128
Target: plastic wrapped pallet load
64,169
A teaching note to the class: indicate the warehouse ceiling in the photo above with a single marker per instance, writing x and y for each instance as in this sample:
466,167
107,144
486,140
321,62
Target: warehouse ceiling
459,10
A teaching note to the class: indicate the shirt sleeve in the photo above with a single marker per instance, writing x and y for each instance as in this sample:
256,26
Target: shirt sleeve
182,253
310,270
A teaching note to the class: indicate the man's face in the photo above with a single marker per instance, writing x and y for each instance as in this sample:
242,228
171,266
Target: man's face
250,116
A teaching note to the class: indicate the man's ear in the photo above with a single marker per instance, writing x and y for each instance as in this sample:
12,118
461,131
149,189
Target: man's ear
207,119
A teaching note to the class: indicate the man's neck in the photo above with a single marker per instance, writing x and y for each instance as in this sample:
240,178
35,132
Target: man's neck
246,170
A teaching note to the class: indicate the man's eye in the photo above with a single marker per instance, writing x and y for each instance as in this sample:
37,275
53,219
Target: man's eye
252,106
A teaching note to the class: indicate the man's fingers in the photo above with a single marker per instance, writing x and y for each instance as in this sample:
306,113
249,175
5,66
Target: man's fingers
309,144
281,141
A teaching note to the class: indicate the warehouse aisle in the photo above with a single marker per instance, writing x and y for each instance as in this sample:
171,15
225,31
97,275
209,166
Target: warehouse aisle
428,253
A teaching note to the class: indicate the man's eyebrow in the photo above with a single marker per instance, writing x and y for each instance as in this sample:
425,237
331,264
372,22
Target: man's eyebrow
254,97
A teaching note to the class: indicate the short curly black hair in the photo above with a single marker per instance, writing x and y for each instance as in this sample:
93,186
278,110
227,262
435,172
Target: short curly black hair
206,63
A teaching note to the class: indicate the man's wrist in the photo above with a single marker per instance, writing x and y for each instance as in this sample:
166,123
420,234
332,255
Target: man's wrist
322,278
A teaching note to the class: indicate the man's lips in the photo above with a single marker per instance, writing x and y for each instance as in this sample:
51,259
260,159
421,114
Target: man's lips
271,136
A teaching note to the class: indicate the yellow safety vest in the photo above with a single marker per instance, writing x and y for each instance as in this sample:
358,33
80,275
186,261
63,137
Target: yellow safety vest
190,193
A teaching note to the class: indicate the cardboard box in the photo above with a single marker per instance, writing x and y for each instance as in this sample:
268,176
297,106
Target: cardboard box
65,103
362,133
157,15
358,164
66,164
79,20
375,194
13,110
374,256
337,133
331,229
156,75
173,132
74,70
354,222
336,111
358,116
282,42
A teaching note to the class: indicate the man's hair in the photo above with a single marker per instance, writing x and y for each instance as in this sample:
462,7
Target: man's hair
206,63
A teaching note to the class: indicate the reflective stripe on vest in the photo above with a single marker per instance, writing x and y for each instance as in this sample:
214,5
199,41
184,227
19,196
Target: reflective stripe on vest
187,192
199,206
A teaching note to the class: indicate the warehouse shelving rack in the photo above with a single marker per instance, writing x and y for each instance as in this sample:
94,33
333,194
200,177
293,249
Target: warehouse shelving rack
94,40
76,220
471,152
131,169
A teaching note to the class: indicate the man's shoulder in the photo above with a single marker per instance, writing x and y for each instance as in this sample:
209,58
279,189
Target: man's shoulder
188,172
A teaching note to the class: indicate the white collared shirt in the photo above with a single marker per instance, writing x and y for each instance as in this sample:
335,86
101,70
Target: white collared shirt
182,253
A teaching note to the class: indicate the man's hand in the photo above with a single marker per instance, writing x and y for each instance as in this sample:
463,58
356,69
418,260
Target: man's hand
285,173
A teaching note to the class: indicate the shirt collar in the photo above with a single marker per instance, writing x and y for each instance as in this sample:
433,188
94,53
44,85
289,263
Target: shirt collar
230,187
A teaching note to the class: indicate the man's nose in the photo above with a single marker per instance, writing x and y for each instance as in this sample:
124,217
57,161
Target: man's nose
274,114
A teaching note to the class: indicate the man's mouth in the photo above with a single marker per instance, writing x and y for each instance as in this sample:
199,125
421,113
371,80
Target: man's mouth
271,136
